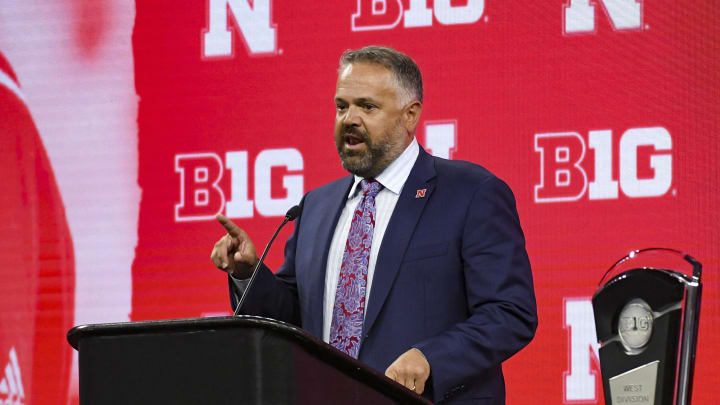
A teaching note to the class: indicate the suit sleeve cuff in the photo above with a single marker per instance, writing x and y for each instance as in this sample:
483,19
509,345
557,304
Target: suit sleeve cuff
442,390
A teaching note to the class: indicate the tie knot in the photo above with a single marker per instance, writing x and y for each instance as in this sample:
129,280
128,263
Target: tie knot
370,187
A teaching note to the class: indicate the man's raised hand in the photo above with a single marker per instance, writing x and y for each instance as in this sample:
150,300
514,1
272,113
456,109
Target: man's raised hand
234,252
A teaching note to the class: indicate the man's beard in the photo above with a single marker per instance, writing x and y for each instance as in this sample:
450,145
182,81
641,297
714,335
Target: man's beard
371,161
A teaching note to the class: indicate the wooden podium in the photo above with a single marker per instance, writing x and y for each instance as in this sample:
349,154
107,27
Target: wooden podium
225,360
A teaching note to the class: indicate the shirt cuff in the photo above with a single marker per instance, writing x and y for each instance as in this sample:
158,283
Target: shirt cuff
241,285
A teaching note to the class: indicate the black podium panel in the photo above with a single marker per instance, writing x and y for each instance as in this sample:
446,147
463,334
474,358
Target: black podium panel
231,360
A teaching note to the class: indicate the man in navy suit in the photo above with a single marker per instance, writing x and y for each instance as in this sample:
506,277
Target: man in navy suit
439,291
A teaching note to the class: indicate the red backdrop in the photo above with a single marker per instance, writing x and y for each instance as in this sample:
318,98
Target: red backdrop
600,114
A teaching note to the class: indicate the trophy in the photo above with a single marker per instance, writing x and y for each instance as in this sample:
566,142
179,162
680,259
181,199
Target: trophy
646,318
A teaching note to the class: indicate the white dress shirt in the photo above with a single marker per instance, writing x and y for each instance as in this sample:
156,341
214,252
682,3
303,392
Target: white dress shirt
392,179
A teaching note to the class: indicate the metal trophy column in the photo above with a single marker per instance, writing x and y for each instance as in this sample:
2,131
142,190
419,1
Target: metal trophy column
646,318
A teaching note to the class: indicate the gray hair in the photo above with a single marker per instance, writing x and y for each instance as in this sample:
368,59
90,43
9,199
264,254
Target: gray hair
404,70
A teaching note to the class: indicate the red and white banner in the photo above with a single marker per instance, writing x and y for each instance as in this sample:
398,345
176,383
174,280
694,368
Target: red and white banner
127,127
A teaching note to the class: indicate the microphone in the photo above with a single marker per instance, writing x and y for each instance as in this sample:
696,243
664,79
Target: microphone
291,215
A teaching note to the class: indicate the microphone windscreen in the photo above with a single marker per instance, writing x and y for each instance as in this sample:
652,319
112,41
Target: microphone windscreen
293,213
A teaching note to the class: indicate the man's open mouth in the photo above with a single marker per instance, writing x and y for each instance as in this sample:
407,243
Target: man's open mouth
352,139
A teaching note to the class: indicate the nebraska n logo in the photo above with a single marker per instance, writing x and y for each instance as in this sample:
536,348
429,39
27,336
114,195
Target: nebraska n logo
251,24
11,387
579,15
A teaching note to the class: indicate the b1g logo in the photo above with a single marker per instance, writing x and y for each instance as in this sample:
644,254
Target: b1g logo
201,197
251,20
579,15
200,175
386,14
563,178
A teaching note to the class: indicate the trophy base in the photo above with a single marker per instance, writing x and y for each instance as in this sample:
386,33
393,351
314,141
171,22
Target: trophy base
636,386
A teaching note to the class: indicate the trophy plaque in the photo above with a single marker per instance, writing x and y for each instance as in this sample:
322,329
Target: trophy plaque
646,318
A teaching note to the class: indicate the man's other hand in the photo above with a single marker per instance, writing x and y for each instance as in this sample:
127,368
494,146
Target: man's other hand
411,369
234,252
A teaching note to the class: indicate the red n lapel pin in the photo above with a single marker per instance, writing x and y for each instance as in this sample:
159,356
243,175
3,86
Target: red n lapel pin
420,193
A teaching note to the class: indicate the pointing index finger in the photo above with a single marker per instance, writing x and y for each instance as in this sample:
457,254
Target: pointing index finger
230,226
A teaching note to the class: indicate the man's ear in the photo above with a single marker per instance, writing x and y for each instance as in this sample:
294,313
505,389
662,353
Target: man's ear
411,116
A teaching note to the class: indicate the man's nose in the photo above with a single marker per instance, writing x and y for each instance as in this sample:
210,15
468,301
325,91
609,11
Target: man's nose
352,117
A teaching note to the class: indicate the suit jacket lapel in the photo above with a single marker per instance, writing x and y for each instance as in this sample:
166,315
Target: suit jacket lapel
397,236
332,202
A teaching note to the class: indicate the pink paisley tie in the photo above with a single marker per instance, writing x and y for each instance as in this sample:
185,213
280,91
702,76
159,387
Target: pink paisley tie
349,310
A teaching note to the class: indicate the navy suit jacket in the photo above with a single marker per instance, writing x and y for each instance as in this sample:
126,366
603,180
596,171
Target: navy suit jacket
452,278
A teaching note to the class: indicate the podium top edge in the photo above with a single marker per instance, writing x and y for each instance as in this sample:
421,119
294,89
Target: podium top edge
80,332
311,344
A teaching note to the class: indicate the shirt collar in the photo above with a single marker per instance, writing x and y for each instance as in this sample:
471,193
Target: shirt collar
394,176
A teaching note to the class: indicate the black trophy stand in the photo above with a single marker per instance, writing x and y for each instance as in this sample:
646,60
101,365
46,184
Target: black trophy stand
646,318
